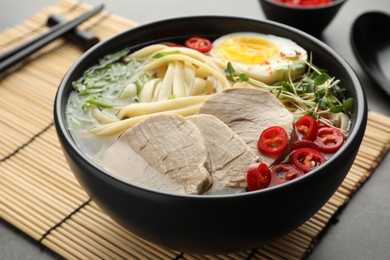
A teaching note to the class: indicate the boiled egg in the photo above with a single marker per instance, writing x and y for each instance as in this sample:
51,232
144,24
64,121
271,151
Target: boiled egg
264,57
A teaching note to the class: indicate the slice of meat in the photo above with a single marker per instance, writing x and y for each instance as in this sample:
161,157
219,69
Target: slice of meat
164,152
229,156
248,111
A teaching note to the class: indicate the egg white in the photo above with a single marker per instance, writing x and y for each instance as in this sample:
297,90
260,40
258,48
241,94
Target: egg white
268,63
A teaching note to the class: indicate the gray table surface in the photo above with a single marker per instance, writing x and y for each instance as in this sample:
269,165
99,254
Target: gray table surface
363,229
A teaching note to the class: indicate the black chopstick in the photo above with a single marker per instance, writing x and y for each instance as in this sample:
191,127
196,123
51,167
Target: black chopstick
17,54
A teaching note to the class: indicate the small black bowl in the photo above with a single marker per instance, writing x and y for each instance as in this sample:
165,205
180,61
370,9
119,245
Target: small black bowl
313,19
212,224
371,46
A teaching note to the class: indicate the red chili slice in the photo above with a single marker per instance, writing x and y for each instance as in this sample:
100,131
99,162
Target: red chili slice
305,143
273,141
306,159
200,44
329,139
305,2
307,126
258,176
284,172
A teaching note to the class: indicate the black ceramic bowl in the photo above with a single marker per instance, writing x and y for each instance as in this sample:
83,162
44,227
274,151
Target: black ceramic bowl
215,223
312,20
371,46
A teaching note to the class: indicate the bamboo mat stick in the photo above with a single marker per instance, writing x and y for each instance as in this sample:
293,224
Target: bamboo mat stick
122,236
17,124
62,175
23,114
68,4
15,32
39,160
372,142
17,93
260,257
83,239
323,215
316,223
288,249
109,239
120,22
67,185
298,239
101,247
52,153
60,238
25,94
36,219
379,126
42,201
298,246
14,118
329,208
51,188
268,252
354,178
58,174
13,141
18,221
50,138
49,70
8,103
56,248
69,52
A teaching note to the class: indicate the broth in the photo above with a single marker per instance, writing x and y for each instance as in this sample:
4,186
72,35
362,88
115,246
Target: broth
125,88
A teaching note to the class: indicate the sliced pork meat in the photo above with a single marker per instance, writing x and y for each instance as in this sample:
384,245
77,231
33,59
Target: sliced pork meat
229,156
248,111
164,152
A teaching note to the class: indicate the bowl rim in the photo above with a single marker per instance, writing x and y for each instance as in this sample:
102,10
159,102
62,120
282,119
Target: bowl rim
62,129
298,7
368,65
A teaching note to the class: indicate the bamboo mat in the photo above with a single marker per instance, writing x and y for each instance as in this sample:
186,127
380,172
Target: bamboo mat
40,196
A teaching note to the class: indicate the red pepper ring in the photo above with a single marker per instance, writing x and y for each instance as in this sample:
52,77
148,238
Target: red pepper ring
329,139
273,141
305,143
200,44
307,126
284,172
258,176
307,159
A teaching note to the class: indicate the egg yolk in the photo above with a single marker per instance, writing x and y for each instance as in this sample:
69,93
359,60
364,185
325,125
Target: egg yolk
247,50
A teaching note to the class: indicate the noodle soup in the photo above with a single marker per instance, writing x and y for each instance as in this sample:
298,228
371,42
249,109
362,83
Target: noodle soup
126,91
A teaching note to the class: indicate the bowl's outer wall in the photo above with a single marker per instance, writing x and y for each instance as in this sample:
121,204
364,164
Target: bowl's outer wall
215,224
310,20
369,42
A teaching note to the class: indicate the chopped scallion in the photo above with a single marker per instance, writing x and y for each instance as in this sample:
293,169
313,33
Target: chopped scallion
165,53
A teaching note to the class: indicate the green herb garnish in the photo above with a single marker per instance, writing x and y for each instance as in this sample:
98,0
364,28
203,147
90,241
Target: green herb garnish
164,53
233,76
102,84
113,57
313,93
140,82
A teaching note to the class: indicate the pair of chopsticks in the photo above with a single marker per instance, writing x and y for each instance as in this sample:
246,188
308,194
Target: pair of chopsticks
19,53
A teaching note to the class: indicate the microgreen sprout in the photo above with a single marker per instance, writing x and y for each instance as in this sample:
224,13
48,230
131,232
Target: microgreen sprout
314,92
233,76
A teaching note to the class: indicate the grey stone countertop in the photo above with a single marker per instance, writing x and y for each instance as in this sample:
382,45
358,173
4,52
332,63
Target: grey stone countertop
363,229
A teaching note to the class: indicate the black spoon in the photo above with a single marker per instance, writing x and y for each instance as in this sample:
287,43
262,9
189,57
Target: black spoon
370,39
